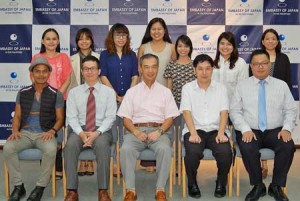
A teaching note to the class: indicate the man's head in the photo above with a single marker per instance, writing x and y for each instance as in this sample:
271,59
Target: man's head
90,69
260,64
203,68
149,67
40,70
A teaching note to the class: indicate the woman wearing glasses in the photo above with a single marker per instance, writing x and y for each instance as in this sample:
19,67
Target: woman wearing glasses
119,66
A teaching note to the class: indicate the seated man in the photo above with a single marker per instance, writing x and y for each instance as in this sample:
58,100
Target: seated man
205,107
147,110
91,112
39,114
264,113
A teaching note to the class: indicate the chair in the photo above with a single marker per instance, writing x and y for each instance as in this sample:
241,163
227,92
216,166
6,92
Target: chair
149,155
32,154
207,156
265,154
88,154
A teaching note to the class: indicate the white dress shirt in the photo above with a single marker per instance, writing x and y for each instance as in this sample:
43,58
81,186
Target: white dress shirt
205,105
230,77
106,107
280,105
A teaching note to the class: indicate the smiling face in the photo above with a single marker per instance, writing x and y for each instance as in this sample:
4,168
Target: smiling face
40,74
157,31
90,72
84,42
225,48
120,39
270,41
182,49
149,69
50,41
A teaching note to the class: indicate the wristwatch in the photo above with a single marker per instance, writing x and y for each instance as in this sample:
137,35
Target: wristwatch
99,132
160,130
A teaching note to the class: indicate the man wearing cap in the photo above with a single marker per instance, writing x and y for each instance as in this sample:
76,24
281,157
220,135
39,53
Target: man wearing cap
39,114
148,110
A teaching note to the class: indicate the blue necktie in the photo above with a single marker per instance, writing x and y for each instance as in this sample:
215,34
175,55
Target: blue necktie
262,111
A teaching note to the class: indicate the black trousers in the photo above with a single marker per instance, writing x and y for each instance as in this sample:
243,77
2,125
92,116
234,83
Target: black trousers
284,154
194,153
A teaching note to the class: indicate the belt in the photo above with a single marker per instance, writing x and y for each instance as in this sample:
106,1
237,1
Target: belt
148,124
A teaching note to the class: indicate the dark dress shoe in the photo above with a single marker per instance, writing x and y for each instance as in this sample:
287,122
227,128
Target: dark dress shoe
81,173
257,191
18,193
276,192
220,190
194,191
36,194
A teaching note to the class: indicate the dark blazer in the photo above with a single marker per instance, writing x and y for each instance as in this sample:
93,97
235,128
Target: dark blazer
282,68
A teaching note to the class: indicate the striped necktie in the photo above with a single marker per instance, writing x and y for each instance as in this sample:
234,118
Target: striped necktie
90,123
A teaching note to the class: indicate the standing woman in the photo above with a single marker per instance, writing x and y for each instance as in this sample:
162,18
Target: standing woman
229,67
85,47
180,71
280,67
280,63
119,67
60,77
158,42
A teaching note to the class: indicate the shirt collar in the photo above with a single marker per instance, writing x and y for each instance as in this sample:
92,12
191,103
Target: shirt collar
146,86
196,86
97,86
256,81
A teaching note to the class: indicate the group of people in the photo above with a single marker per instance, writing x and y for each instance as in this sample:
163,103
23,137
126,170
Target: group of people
146,94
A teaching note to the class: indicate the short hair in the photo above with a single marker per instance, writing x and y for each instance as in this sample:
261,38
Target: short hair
185,40
202,58
278,47
91,58
88,33
258,52
148,56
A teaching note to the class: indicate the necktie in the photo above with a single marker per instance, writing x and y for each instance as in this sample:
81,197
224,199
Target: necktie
90,123
262,111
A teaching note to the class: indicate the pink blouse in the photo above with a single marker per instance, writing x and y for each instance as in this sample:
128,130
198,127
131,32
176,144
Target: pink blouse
61,69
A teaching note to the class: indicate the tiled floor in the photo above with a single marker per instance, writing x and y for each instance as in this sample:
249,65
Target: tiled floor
146,184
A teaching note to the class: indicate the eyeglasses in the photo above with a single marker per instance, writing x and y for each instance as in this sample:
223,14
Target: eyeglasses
263,64
121,35
92,69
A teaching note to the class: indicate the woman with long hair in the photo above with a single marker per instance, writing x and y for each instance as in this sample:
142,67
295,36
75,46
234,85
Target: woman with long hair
157,41
229,67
